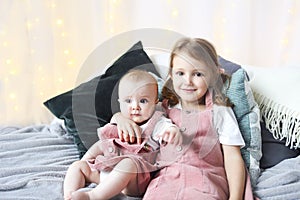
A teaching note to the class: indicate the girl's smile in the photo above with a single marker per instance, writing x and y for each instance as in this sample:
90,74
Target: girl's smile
188,89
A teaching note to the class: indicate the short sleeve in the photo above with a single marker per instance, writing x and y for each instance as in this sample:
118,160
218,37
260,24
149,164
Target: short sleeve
227,126
161,126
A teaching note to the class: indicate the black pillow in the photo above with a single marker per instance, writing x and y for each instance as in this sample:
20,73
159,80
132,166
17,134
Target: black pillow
274,150
91,104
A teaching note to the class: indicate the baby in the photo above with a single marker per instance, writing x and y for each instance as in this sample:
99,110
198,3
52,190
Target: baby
128,164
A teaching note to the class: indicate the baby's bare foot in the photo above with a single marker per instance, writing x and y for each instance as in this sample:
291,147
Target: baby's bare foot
79,195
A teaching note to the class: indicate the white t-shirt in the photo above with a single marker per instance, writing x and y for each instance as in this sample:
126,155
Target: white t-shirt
227,126
161,126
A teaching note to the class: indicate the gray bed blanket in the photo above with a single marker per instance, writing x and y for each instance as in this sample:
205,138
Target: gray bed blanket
34,161
281,182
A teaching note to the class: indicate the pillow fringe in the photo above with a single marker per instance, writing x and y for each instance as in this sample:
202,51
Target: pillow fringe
281,121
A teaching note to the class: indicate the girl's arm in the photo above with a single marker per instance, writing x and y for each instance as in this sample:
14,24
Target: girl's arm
235,171
93,151
128,130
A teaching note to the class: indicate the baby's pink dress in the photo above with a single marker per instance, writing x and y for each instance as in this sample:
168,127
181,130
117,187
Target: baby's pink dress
143,155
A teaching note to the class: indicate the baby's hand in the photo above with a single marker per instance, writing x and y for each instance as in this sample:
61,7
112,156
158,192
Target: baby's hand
128,130
171,136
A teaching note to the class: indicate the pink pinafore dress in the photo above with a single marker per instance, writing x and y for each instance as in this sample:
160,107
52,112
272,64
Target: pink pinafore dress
194,170
114,150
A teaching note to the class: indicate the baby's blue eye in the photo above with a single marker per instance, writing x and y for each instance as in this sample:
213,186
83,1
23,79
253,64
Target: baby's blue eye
127,100
144,101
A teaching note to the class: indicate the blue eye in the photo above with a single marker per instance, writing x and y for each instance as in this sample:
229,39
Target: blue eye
144,101
179,73
198,74
127,101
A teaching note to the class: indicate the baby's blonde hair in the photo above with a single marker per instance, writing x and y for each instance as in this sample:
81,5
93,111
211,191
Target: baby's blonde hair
137,76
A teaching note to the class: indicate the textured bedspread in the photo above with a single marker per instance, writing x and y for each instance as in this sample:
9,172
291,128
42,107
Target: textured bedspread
281,182
34,161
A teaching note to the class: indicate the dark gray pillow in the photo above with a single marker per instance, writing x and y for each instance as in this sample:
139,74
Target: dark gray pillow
274,150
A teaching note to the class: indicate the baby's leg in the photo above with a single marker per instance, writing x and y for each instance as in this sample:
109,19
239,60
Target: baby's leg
123,176
77,175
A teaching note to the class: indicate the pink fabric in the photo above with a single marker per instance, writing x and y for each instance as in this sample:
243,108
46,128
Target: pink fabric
115,150
196,169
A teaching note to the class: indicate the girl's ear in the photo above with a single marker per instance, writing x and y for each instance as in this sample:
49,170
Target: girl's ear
221,70
157,100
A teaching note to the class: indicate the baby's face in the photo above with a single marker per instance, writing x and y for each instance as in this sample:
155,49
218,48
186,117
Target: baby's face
138,100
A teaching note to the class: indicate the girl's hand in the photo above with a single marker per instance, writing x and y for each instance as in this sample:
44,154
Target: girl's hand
128,130
172,136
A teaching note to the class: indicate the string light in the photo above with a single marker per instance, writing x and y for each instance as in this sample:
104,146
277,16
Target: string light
12,96
66,51
12,71
65,55
291,11
224,20
115,1
70,62
111,30
174,12
59,22
29,25
16,108
8,61
40,68
174,15
52,5
285,41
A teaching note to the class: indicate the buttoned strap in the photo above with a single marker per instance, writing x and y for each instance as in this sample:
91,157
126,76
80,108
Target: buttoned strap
208,99
148,140
151,124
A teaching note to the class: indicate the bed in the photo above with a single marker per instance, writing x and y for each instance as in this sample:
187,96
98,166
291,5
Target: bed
34,159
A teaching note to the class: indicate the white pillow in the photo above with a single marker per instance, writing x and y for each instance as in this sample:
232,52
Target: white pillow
161,62
276,90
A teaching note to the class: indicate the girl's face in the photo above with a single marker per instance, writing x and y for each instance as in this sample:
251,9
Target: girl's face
189,79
